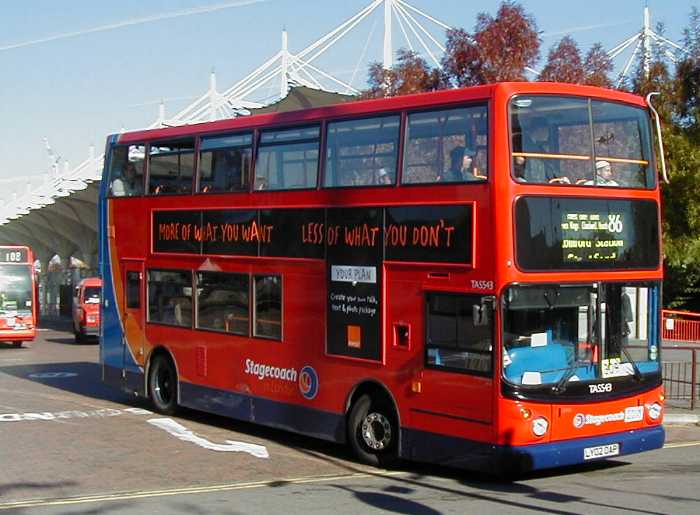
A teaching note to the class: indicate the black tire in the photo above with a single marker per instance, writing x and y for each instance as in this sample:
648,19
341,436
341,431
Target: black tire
373,431
162,385
17,344
78,337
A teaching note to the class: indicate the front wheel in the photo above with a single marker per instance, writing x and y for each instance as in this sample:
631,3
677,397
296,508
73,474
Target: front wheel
373,431
162,385
17,344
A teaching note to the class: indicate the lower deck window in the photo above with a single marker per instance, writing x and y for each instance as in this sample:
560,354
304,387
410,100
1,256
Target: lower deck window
170,297
459,333
222,302
267,314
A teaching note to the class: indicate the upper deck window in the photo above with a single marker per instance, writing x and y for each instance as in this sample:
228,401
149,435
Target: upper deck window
170,167
447,146
287,159
126,171
573,140
224,163
362,152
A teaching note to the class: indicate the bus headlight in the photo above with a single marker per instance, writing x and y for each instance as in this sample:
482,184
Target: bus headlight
654,411
540,426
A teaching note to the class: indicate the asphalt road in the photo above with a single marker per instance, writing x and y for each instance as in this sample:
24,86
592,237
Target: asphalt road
69,444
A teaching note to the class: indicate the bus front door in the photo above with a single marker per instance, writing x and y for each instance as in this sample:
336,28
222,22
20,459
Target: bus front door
133,318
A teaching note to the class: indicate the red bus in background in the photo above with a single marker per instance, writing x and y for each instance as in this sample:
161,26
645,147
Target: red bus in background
18,295
468,277
86,308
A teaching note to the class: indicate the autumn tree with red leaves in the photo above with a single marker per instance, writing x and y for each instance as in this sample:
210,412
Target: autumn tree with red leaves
564,63
500,49
411,74
598,66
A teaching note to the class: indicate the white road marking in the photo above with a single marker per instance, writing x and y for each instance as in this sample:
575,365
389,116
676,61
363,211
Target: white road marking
184,434
52,375
62,415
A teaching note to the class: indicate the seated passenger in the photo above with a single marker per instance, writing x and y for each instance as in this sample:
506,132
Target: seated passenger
604,175
461,166
381,177
128,184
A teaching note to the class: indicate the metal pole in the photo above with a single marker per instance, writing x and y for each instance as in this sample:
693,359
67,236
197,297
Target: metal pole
693,380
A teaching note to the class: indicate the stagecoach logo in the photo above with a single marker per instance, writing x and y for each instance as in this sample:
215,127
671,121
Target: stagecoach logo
307,379
631,414
308,382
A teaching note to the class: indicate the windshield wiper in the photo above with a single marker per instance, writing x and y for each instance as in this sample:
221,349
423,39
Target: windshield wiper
635,368
560,387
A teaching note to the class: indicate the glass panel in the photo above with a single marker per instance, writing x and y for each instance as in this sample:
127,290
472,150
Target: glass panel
126,171
92,295
561,334
287,159
362,152
170,167
447,146
133,290
16,290
460,332
622,145
267,317
551,139
222,302
170,297
224,170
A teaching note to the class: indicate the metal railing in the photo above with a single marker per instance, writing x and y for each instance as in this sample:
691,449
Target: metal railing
681,377
680,326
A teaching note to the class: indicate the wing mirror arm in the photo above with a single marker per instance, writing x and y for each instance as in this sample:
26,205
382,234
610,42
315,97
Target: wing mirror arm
657,122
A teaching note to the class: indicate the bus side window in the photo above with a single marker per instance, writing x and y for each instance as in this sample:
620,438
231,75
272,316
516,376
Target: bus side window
126,174
225,163
362,152
459,333
171,167
287,159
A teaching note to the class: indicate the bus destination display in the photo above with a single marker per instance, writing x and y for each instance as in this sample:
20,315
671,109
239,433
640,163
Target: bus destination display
13,255
586,234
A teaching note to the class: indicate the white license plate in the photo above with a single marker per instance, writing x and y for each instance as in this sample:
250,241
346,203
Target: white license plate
601,451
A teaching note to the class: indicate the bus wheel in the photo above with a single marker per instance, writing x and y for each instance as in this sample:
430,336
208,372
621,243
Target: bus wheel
17,344
373,431
162,385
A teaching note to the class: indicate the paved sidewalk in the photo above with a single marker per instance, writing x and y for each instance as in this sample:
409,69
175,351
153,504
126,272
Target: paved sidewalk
681,415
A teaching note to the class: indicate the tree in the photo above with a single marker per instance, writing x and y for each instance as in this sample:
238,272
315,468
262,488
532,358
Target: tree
500,50
410,74
597,67
564,63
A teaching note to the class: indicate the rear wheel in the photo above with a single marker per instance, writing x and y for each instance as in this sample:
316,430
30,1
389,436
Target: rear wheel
162,385
373,431
17,344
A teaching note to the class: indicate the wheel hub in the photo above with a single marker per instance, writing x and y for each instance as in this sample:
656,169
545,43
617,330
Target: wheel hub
376,431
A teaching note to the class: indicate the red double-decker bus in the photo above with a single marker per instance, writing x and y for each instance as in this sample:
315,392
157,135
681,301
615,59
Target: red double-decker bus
467,277
17,295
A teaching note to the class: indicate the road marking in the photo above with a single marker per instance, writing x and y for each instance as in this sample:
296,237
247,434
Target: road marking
35,503
184,434
681,444
59,415
52,375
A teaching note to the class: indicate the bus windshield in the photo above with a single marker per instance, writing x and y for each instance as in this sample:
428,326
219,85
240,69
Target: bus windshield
580,141
557,334
15,289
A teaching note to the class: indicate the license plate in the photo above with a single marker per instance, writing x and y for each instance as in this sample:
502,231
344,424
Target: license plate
601,451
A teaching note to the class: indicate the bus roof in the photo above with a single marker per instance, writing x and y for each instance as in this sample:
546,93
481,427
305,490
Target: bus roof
350,109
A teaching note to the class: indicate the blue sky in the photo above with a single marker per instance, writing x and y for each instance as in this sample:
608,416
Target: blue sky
77,70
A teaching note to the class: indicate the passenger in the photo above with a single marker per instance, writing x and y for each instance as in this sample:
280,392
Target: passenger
129,183
382,177
461,166
604,175
260,183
